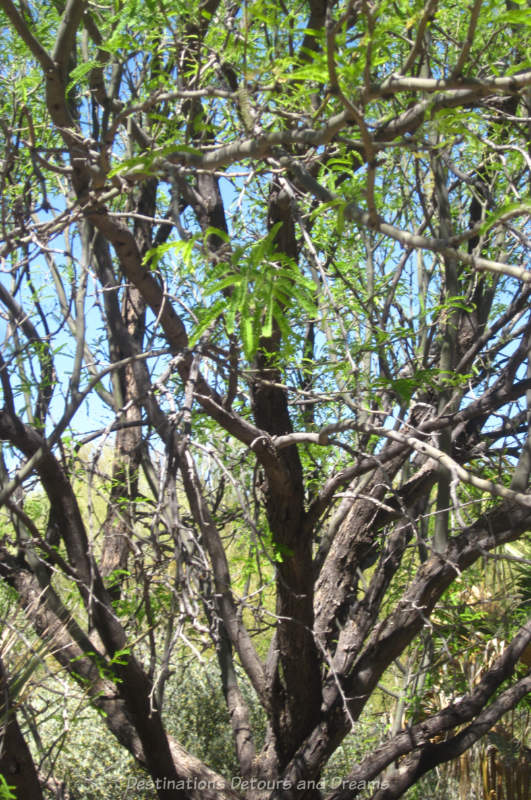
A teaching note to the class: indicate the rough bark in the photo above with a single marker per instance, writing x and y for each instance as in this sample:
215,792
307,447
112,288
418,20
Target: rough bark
16,763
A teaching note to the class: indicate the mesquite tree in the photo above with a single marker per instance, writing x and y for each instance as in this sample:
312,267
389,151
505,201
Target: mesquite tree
265,364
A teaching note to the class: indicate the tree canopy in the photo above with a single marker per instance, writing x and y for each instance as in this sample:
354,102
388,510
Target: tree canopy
266,379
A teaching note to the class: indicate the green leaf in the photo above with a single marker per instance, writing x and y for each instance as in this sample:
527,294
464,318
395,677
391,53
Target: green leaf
6,791
267,327
223,235
79,72
248,340
207,317
507,210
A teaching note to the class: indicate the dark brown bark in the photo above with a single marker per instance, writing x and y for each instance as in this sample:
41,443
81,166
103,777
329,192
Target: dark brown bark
335,634
297,684
133,682
434,754
423,734
79,656
361,672
16,763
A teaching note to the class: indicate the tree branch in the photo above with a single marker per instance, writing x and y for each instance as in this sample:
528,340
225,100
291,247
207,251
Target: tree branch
23,30
419,735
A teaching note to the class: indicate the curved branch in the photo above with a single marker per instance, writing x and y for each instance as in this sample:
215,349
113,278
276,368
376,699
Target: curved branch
23,30
235,629
437,753
393,634
419,735
65,39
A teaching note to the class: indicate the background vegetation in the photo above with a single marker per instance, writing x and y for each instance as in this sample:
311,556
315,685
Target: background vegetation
266,398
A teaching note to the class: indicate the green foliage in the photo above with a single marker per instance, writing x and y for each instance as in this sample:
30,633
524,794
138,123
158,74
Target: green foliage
141,192
6,792
85,754
197,714
260,286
